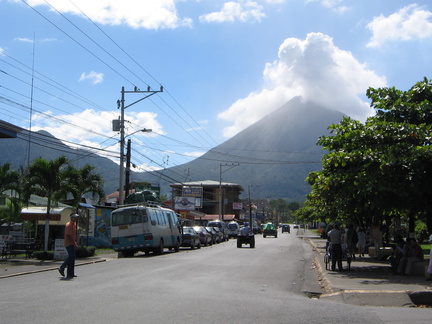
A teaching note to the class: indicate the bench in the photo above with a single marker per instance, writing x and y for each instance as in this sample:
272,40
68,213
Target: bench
12,249
419,268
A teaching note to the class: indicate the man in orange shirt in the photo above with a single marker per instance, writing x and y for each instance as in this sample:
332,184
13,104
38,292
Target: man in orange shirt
70,245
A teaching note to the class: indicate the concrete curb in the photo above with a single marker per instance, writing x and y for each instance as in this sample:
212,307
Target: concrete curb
49,269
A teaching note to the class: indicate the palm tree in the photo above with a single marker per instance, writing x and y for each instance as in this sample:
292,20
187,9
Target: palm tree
9,180
46,178
82,181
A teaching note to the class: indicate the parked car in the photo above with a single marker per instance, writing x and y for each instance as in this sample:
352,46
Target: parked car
296,227
286,228
216,235
222,227
269,229
233,229
205,236
190,238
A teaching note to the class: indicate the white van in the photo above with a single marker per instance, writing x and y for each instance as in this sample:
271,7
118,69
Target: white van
221,225
233,228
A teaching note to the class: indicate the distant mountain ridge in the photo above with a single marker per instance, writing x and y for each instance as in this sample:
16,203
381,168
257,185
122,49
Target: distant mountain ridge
275,155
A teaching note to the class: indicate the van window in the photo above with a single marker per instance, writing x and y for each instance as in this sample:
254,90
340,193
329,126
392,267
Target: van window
128,216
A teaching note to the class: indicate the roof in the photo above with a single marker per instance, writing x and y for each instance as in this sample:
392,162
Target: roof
39,213
205,183
8,130
211,217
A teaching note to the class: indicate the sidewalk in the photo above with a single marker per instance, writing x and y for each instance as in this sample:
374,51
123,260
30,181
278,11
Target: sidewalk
20,266
369,281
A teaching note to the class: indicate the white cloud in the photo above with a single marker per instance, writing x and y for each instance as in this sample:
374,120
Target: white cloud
313,68
24,40
134,13
243,11
410,22
94,77
332,4
92,128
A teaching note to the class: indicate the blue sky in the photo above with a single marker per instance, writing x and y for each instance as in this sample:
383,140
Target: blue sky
223,65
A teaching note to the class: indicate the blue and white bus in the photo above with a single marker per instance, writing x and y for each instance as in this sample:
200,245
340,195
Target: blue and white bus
146,229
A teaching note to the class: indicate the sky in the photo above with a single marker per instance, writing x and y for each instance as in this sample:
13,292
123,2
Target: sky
223,65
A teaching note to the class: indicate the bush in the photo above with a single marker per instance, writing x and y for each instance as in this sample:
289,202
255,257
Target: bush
421,232
44,255
85,251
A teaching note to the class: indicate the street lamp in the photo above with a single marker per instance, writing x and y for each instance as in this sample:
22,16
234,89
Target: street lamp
122,173
121,105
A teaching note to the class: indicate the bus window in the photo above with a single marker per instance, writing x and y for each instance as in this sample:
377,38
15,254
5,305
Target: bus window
127,217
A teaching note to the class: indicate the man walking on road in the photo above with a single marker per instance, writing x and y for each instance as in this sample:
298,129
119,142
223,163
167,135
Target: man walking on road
70,245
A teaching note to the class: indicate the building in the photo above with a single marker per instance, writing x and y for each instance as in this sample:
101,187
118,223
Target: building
207,200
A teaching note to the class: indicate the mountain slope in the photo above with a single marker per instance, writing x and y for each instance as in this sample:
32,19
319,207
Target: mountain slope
274,155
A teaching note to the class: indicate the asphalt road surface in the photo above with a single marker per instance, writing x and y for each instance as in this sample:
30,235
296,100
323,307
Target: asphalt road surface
217,284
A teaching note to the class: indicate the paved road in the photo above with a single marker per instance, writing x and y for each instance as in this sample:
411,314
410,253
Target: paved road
218,284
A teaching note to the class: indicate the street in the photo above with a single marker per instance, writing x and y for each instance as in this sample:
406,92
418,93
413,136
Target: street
215,284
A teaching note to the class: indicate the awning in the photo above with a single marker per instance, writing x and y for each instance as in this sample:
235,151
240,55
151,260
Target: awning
208,217
39,213
86,205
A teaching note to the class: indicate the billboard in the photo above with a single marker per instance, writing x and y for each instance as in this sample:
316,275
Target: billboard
184,203
237,205
192,191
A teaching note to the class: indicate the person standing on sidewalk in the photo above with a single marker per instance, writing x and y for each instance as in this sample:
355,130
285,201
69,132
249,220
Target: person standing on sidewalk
70,244
335,238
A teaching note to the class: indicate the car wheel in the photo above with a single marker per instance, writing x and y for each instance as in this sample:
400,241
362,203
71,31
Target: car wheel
177,246
193,246
199,245
159,250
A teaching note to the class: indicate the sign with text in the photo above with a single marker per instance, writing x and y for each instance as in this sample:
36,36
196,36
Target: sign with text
237,205
60,252
192,191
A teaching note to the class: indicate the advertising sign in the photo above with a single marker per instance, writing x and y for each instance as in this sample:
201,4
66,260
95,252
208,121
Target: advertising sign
237,205
184,203
192,191
60,252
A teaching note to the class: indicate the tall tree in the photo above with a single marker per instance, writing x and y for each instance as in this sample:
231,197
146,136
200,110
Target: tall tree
9,180
46,178
382,167
82,181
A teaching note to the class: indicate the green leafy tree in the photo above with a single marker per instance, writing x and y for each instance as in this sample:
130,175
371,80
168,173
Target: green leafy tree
46,178
381,168
80,182
9,180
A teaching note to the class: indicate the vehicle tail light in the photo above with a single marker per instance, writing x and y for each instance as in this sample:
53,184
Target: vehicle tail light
114,240
148,236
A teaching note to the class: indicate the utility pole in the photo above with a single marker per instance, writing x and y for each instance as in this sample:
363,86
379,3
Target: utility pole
121,104
128,163
230,165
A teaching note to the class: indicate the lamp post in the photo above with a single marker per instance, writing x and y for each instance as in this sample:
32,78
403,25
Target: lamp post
231,165
122,170
122,107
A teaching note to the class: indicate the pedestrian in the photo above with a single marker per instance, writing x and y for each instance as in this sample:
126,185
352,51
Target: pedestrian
429,270
70,244
351,239
335,238
361,244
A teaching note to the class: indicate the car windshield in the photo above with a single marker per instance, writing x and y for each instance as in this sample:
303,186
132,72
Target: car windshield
188,230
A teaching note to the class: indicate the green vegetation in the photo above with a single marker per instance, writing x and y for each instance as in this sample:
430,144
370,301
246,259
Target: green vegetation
56,180
378,172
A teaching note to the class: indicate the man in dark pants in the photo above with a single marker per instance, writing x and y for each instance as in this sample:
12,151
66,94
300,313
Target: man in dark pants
335,238
70,245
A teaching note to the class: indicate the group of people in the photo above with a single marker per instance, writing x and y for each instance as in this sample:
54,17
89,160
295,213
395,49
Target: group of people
405,254
355,240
